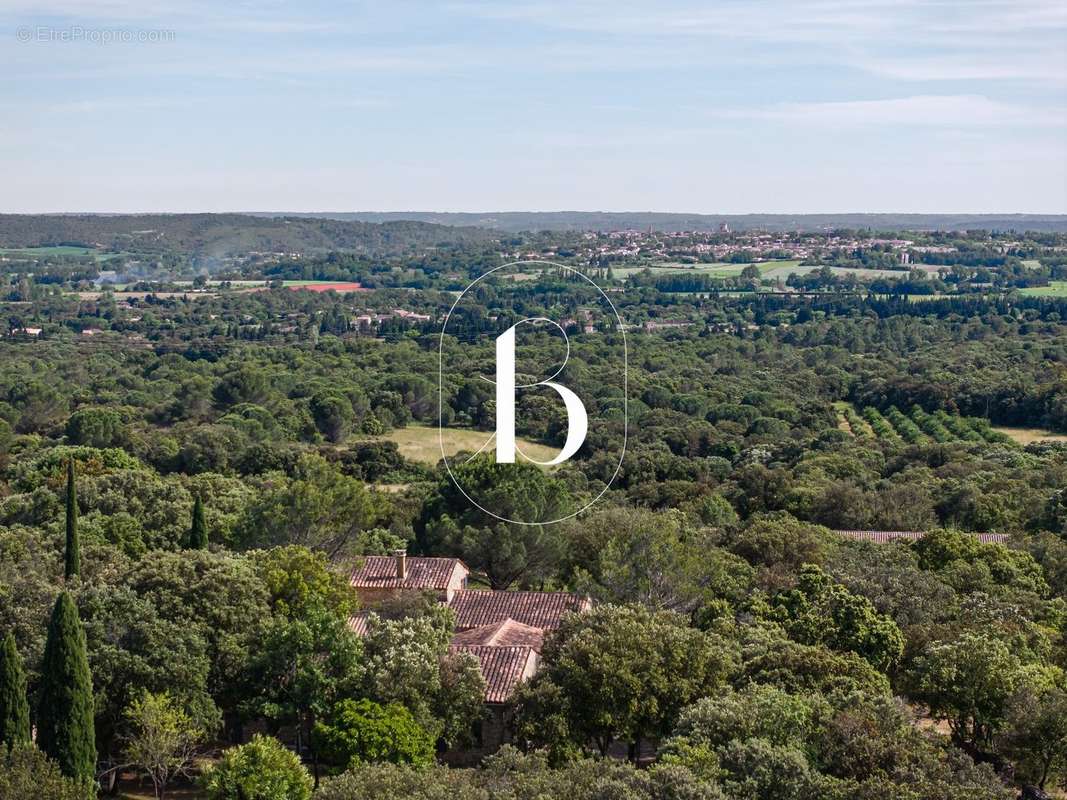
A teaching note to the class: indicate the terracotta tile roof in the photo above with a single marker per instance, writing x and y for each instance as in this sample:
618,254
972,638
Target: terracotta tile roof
503,668
880,536
891,536
475,608
357,623
993,538
507,633
379,572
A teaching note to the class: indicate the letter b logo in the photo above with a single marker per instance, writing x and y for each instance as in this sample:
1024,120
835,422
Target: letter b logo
488,362
577,419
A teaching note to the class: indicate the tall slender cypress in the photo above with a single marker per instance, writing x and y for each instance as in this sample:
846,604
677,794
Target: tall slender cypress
14,708
65,715
198,533
73,558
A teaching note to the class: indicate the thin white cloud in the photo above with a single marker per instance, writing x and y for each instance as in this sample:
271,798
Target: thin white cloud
904,39
951,111
1048,67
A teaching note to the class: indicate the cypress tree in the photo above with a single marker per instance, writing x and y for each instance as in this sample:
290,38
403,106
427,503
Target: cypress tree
14,708
73,558
65,715
198,533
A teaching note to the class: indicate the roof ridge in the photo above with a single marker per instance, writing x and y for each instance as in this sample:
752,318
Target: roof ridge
493,647
519,591
415,558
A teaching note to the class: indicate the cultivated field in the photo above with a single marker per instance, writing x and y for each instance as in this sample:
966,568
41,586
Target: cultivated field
1054,289
420,443
917,426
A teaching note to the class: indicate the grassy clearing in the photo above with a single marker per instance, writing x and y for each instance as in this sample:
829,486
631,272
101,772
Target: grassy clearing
1030,435
1054,289
58,250
715,270
420,443
784,268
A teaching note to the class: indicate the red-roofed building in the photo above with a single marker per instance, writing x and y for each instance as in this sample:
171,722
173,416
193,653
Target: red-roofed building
357,623
503,668
378,578
507,633
476,608
504,631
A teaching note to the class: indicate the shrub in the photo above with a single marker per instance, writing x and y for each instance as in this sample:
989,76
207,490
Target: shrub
262,769
365,732
27,774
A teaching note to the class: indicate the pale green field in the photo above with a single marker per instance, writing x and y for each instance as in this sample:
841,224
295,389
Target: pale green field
1054,289
786,267
58,250
1026,436
716,270
420,443
63,250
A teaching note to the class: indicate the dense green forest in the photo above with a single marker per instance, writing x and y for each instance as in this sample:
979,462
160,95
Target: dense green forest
188,474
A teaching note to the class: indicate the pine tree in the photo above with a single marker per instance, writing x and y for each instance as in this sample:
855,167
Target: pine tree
198,533
65,715
73,558
14,708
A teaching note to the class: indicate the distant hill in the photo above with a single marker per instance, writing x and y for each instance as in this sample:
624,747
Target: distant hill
220,235
515,221
207,237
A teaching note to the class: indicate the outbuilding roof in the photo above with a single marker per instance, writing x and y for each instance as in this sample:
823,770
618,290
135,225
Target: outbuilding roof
475,608
380,572
507,633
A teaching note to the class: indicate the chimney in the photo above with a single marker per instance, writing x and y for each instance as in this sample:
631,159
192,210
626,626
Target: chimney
401,558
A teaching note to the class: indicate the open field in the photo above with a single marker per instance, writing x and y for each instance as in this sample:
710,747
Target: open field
1031,435
1054,289
420,443
784,268
58,250
716,270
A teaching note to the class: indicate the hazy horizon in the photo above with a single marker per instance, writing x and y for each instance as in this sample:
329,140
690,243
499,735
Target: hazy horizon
317,212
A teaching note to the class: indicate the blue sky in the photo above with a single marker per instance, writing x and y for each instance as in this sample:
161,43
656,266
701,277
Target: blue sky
713,107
